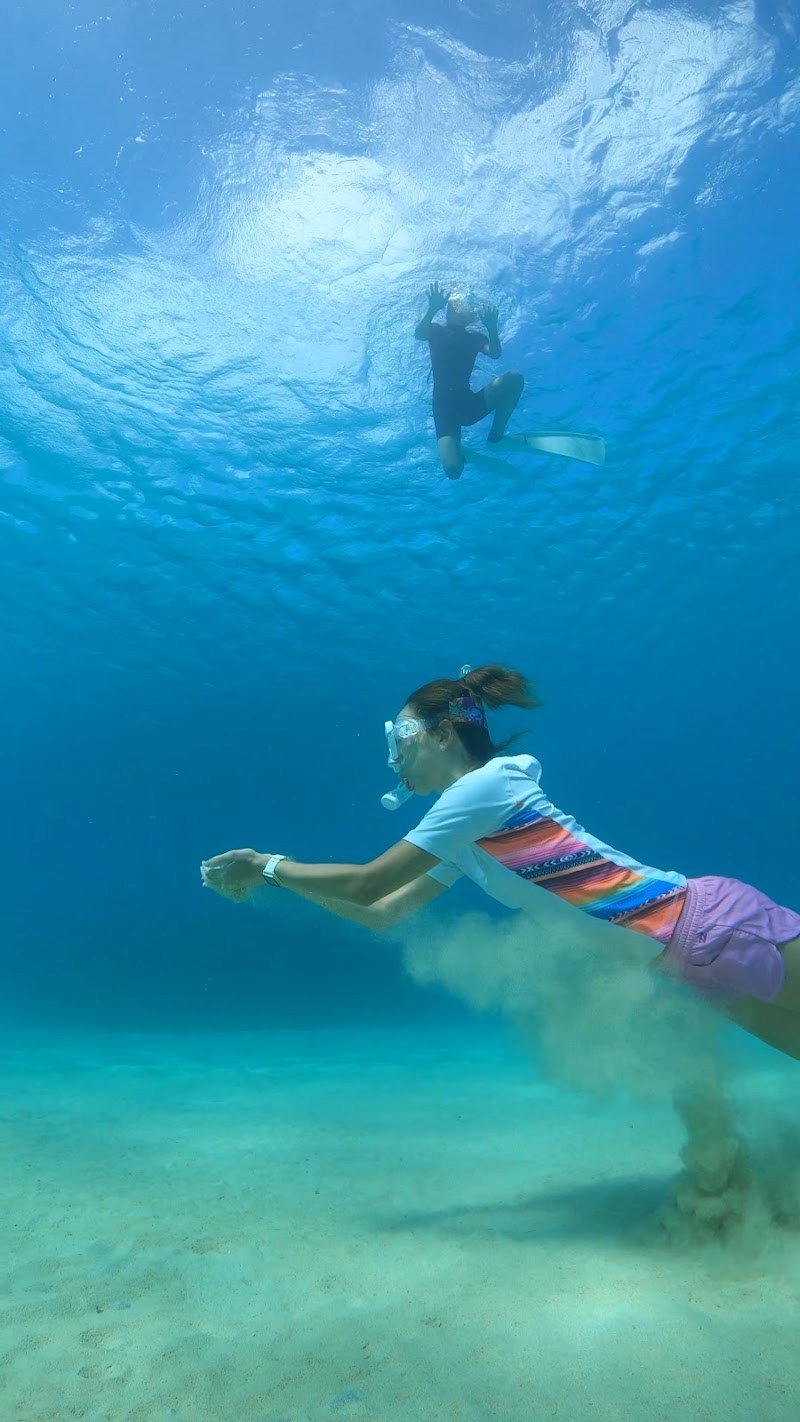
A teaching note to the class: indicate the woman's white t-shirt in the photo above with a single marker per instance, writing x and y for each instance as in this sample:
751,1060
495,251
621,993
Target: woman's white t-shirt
496,826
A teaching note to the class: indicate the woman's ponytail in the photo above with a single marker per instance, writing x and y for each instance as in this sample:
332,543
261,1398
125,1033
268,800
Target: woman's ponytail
500,686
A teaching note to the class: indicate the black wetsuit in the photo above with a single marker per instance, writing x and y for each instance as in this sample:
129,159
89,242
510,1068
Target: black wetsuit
453,355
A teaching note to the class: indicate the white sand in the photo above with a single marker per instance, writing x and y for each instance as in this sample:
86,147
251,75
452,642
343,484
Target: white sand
366,1226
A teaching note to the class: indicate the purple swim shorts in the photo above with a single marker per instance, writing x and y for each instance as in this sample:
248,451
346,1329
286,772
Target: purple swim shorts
726,942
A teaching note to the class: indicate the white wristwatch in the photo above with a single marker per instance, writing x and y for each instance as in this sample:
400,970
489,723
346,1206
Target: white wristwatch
268,872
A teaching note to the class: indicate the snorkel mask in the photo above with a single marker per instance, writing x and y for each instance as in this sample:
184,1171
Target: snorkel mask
396,732
462,308
467,709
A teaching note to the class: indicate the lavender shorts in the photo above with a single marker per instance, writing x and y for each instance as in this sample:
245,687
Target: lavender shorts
726,942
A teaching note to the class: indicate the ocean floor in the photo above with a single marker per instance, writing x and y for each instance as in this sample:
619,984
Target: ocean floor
383,1226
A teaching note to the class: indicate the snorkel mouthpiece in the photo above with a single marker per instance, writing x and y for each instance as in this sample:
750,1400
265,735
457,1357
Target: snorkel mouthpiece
393,799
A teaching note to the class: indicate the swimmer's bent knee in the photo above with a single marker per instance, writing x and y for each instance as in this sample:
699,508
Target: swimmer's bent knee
453,469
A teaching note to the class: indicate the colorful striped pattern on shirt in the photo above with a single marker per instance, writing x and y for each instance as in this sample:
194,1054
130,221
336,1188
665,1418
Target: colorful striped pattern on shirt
546,853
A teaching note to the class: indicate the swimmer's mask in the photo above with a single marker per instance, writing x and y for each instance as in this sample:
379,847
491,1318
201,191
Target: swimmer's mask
462,308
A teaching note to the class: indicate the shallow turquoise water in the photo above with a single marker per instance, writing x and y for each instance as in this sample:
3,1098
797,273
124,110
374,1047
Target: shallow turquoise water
378,1226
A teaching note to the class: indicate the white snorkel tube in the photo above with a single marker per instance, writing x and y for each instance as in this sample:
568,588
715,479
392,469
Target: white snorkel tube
393,799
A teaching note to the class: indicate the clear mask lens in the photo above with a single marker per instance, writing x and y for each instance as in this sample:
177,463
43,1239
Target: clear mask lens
397,732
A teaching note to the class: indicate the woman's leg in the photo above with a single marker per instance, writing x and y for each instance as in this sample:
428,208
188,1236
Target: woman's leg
452,456
789,995
777,1022
502,395
777,1026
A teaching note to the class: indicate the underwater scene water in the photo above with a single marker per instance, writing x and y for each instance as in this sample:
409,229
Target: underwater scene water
259,1162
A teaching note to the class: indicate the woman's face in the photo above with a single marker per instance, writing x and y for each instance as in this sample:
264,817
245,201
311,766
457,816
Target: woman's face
423,762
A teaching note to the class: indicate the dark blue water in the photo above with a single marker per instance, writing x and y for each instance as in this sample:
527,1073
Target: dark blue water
228,551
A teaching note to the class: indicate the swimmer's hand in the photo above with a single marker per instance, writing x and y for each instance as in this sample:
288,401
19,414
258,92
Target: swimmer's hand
490,316
437,299
235,874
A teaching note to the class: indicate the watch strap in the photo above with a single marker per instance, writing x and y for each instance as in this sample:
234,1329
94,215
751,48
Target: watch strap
268,872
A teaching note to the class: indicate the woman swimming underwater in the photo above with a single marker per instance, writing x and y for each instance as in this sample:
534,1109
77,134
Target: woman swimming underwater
493,823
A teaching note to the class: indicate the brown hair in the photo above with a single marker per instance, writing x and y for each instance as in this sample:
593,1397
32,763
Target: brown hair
493,685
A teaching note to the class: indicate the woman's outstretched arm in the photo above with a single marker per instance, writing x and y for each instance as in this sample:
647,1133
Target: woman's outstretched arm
388,911
238,872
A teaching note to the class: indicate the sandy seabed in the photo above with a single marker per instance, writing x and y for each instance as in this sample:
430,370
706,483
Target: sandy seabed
384,1226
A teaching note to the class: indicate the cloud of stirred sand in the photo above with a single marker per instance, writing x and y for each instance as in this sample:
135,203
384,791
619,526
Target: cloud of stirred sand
604,1021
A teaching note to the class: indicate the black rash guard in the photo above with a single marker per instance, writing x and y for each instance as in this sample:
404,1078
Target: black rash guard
453,354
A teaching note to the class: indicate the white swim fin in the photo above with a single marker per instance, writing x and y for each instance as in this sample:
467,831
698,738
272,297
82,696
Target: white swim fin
588,448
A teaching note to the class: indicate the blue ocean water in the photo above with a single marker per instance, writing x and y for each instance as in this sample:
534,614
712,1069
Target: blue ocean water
228,550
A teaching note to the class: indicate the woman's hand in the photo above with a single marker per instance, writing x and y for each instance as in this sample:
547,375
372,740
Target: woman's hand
490,316
437,299
235,874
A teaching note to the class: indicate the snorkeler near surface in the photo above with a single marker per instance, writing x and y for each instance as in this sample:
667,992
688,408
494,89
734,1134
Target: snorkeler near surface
454,349
493,823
